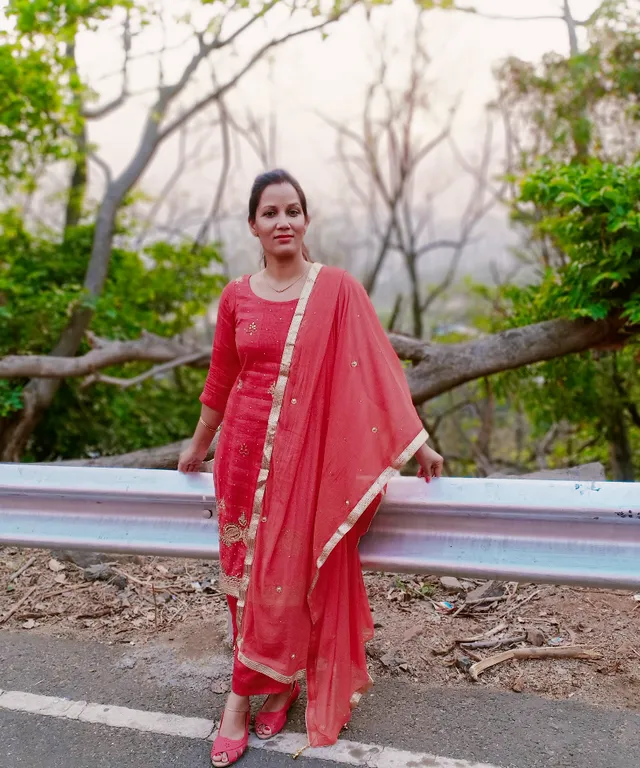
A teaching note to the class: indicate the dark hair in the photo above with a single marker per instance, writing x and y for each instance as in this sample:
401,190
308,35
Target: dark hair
267,179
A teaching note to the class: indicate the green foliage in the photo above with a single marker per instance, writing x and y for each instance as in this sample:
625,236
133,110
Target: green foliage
104,420
40,89
58,18
591,214
577,190
160,291
32,111
583,105
579,389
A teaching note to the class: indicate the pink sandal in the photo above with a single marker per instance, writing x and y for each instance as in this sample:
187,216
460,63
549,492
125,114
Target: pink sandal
276,721
232,748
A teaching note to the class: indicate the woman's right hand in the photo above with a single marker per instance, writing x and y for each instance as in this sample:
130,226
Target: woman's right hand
191,459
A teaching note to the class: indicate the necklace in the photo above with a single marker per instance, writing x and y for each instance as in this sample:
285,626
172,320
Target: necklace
282,290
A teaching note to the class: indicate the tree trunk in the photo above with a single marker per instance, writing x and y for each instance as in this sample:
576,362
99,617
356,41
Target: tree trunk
581,129
38,394
416,304
485,433
620,453
395,313
439,368
75,200
371,277
571,29
78,185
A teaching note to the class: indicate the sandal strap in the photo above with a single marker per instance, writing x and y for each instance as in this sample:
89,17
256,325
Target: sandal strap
224,744
275,721
232,748
294,687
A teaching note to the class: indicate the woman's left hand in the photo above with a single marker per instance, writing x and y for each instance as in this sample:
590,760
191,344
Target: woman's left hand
430,462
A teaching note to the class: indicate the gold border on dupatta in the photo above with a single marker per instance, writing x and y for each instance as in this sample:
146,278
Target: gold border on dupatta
374,490
267,452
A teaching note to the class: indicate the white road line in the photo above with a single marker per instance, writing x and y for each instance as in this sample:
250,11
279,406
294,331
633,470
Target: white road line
343,753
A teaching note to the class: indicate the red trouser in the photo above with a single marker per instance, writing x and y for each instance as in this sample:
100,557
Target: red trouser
245,681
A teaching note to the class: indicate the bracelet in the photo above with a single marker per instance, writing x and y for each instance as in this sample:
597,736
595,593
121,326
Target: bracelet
207,426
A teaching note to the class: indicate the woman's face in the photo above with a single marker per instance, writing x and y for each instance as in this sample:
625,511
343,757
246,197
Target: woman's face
280,222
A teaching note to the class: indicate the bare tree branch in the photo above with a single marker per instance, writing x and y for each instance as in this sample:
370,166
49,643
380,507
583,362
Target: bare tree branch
544,446
437,368
566,17
383,168
102,164
181,164
200,356
146,55
148,348
459,406
161,457
99,112
252,133
503,17
222,90
436,245
223,176
477,208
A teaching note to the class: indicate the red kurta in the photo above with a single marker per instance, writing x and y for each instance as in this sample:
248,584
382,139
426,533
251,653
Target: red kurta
248,346
317,418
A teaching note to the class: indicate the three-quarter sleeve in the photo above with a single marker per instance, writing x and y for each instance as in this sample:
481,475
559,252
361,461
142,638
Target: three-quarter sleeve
225,363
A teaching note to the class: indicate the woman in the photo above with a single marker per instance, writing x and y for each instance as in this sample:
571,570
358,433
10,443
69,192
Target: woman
317,418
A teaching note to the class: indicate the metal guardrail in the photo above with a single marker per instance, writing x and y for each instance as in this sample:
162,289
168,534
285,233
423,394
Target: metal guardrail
562,532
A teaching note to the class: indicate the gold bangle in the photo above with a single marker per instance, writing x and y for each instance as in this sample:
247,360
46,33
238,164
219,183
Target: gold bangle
208,426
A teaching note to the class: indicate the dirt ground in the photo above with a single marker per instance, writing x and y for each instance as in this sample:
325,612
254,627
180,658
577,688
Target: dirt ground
431,632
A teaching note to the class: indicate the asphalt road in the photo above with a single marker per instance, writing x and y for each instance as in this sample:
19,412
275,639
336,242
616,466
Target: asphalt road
500,729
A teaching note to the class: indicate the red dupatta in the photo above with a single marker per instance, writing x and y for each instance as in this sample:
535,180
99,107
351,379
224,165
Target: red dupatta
342,423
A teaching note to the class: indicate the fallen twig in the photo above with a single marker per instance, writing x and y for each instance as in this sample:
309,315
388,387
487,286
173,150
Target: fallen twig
482,600
20,602
38,615
495,643
180,609
132,578
568,652
102,612
490,633
22,569
155,606
519,605
64,591
140,582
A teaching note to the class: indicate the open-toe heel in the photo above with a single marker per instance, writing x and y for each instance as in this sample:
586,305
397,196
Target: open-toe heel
276,721
232,748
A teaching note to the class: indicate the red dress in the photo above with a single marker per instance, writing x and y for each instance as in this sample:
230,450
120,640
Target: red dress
317,419
249,341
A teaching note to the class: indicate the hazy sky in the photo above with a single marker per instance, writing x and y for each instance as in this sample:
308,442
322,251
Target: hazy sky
310,76
330,76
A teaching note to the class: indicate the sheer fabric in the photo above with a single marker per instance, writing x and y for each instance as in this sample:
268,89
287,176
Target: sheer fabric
245,681
340,424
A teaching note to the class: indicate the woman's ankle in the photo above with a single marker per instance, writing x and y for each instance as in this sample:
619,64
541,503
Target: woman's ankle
237,703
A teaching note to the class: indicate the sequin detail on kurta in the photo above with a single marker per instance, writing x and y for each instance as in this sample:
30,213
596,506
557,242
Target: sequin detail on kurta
248,347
